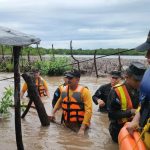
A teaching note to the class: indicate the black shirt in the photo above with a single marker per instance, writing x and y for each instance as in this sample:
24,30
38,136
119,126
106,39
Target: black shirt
114,106
102,93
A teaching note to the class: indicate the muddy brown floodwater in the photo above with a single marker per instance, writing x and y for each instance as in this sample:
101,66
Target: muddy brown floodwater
56,137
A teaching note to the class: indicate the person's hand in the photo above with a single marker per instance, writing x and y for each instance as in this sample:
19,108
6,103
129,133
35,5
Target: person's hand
51,118
133,111
81,132
131,127
101,103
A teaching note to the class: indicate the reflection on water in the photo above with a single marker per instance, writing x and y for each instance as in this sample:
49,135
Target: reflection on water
56,137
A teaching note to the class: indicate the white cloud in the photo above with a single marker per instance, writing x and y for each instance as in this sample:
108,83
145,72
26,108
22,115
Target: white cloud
90,22
100,30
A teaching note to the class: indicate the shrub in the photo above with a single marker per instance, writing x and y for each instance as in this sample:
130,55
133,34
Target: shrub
6,100
9,67
56,67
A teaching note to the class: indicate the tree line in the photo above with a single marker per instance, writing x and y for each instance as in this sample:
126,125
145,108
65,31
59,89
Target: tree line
6,50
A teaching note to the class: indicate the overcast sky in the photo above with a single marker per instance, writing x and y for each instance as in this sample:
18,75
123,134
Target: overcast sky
90,24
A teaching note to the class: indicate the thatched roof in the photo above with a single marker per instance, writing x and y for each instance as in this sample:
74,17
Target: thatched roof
15,38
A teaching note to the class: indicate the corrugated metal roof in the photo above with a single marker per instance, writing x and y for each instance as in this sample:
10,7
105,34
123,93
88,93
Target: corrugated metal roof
16,38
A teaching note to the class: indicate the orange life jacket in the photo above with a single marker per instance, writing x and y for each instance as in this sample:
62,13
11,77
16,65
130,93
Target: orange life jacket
41,88
73,106
125,100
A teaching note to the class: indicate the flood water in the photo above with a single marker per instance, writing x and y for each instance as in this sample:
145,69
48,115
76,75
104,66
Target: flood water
56,137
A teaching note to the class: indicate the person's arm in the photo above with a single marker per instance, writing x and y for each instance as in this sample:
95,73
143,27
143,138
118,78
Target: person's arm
57,107
23,90
114,107
46,88
100,96
56,97
97,95
87,99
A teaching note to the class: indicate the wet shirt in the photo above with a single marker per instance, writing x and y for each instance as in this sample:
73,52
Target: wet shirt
102,93
145,98
114,105
25,87
87,100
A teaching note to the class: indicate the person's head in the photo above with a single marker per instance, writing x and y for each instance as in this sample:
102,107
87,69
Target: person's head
134,74
36,73
73,77
115,77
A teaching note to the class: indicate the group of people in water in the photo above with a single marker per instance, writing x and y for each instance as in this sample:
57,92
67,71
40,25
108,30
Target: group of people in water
126,99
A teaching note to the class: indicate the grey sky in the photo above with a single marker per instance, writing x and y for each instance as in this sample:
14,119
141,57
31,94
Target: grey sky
89,23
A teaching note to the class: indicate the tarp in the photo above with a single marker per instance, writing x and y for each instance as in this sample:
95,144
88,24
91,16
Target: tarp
15,38
145,46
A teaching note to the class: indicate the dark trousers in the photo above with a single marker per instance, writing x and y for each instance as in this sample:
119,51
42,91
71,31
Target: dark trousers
114,129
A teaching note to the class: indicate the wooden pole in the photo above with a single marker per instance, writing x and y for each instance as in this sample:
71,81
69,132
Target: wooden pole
38,51
27,109
53,52
95,63
29,57
3,52
119,59
73,56
16,52
12,55
34,96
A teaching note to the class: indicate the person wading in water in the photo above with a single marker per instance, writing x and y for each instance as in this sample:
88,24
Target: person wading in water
76,103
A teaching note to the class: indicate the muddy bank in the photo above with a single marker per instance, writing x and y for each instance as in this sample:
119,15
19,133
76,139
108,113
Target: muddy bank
104,65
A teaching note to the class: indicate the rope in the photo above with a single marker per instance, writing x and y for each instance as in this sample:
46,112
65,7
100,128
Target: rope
145,129
138,140
123,139
97,57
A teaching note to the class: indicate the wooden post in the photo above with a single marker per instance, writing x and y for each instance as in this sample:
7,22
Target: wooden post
34,96
27,109
16,52
95,64
29,57
119,59
3,52
73,56
53,52
38,52
12,55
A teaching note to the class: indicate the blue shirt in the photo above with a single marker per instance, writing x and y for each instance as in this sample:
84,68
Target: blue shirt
145,86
